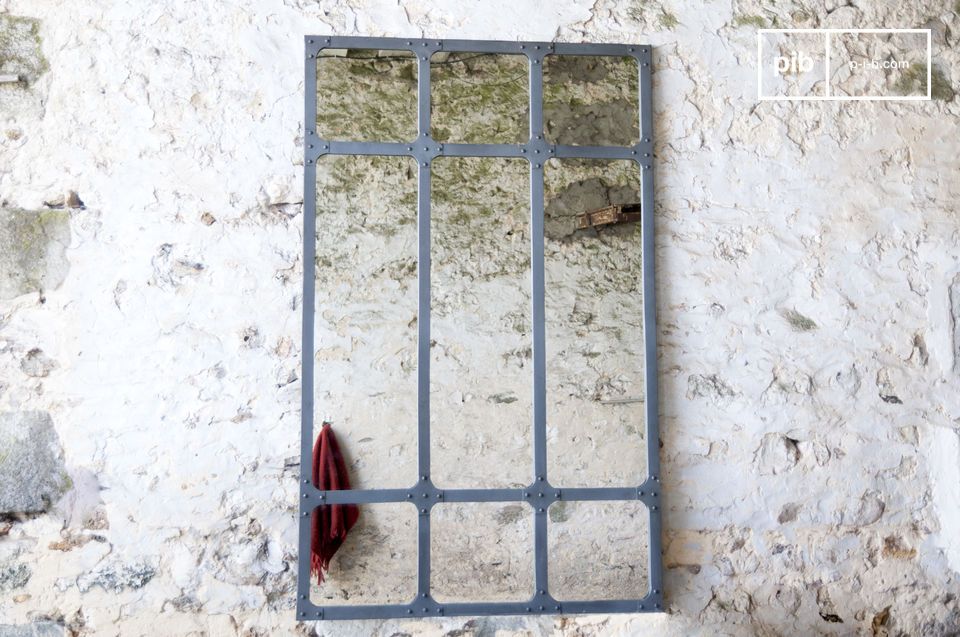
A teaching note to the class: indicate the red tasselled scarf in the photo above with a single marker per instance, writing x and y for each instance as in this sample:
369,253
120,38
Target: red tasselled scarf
331,522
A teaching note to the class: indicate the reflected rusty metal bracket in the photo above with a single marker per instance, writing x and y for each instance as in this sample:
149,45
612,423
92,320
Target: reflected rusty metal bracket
609,215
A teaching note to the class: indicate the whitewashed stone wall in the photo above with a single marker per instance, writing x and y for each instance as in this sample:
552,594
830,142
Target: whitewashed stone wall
808,303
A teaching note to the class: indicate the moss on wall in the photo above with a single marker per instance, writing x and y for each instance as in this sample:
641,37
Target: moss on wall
913,81
34,250
20,48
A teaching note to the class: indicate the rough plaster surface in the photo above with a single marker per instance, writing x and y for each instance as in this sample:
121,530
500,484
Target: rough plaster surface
807,257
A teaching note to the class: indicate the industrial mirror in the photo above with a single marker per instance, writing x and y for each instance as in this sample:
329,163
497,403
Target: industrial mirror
479,326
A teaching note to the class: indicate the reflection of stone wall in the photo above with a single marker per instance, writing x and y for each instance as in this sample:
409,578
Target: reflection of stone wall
807,304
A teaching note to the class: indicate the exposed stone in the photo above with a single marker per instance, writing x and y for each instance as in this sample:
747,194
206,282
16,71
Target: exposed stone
788,513
32,474
20,55
885,385
34,244
37,364
36,629
13,575
827,610
68,200
896,547
709,386
868,510
117,577
777,454
798,321
878,625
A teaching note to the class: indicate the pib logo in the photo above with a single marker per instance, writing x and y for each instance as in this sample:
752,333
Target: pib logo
794,64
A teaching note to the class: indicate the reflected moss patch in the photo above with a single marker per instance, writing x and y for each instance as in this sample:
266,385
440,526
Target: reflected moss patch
479,98
591,100
366,95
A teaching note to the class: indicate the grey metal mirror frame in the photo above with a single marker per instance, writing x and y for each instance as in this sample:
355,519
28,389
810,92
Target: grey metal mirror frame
540,494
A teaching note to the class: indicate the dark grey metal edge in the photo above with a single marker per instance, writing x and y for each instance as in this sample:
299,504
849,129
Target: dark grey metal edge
540,494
